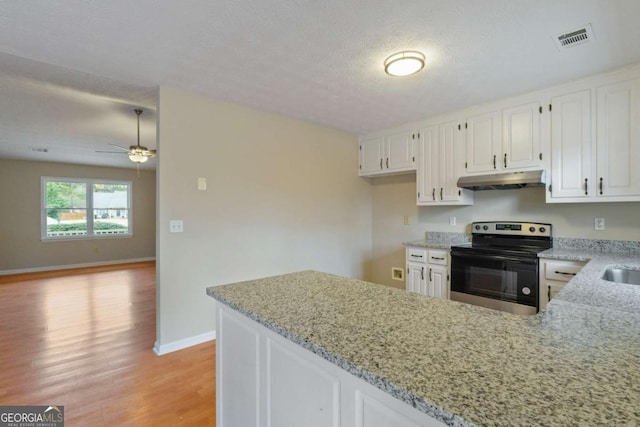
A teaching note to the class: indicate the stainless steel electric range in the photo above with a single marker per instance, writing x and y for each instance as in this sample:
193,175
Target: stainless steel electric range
499,268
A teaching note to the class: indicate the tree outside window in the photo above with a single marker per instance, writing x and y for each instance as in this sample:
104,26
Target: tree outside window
75,208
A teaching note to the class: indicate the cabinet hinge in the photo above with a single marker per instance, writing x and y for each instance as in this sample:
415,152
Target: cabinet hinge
413,159
549,188
549,107
466,164
540,109
447,277
418,135
413,136
459,192
459,127
540,156
465,126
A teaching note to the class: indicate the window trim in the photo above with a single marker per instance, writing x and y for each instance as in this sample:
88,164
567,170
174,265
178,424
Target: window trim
89,182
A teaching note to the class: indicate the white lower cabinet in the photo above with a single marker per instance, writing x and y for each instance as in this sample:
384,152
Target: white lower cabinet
428,272
554,275
265,380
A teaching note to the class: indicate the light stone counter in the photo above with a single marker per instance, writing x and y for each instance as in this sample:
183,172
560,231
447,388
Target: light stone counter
440,240
575,364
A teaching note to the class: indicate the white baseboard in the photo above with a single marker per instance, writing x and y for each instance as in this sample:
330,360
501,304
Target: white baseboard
183,343
69,266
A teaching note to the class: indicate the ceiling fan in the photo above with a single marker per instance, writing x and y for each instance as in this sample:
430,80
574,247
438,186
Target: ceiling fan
137,153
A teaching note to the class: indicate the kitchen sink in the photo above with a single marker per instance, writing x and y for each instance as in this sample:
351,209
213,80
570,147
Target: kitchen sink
622,275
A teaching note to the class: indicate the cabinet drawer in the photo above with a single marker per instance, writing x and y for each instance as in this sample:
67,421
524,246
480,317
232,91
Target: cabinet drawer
437,256
561,271
416,255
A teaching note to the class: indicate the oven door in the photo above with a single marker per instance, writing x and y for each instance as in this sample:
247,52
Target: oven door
507,278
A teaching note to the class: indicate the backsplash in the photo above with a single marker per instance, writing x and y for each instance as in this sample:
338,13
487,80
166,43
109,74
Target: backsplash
450,238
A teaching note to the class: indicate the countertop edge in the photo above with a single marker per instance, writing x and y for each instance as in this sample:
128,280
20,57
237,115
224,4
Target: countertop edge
380,383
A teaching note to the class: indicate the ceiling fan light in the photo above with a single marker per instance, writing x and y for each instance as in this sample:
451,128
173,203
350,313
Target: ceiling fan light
137,158
404,63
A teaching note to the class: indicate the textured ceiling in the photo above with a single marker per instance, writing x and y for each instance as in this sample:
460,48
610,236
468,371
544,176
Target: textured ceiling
73,69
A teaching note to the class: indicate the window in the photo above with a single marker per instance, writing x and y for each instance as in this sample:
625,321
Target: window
85,208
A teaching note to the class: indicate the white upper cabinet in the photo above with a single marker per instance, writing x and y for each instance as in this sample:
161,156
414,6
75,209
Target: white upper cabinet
483,133
586,138
618,139
504,139
388,154
521,147
571,147
438,169
371,155
595,144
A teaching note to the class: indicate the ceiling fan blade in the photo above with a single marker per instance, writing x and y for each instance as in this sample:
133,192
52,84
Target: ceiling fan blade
117,146
112,152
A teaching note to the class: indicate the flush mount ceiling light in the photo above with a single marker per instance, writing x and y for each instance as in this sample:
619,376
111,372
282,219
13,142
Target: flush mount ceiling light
404,63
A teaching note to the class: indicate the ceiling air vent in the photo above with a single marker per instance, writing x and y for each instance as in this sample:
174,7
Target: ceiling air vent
39,149
574,38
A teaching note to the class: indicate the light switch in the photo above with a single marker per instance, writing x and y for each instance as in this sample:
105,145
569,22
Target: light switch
176,226
202,184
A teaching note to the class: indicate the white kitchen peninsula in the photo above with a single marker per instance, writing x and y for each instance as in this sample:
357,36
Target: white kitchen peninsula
315,349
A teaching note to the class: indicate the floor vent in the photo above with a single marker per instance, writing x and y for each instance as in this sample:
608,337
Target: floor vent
574,38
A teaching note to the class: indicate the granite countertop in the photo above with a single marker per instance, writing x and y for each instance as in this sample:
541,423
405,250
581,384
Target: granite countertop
440,240
577,363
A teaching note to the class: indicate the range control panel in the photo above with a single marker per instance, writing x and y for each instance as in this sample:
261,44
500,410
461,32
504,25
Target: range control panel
512,228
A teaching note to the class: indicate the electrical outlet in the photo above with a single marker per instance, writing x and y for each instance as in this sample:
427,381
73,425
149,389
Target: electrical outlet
452,220
176,226
202,184
599,224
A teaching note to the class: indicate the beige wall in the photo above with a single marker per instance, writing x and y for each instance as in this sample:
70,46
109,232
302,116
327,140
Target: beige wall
394,197
282,195
20,195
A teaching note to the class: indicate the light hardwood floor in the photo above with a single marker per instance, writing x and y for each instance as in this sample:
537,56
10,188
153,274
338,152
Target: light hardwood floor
84,338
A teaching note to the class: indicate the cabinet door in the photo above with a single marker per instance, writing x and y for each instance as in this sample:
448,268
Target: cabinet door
483,141
571,146
399,153
448,171
371,152
416,281
521,136
238,375
298,392
618,139
439,285
428,165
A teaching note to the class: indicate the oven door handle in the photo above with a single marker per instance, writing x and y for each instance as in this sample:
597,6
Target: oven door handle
494,257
